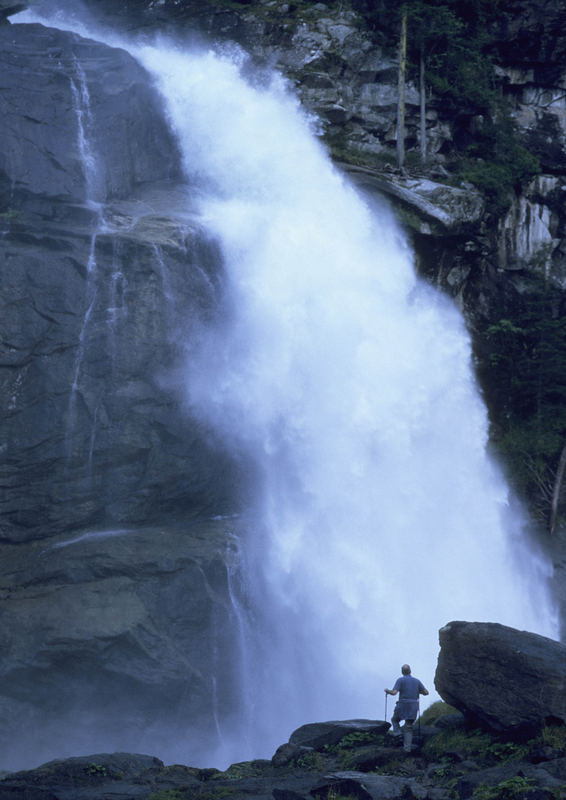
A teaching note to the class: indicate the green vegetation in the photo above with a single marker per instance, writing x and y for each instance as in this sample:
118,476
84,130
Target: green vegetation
511,789
435,711
9,215
450,54
469,744
310,760
397,766
334,795
451,41
473,744
282,14
96,770
193,793
497,163
522,366
243,769
361,738
353,740
554,736
344,750
517,788
488,749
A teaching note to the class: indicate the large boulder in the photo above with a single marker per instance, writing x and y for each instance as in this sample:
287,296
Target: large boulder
320,734
502,678
369,787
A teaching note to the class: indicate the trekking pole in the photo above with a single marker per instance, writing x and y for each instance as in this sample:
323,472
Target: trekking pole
385,717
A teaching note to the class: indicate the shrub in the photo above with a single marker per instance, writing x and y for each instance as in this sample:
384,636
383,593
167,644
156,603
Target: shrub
554,736
470,745
513,789
435,711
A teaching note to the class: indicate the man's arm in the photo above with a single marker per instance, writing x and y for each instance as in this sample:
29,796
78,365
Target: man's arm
395,689
422,689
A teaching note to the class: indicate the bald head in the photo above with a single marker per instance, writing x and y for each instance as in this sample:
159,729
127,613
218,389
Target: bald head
405,669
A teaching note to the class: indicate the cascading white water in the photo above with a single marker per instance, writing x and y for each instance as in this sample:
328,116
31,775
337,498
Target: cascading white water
376,515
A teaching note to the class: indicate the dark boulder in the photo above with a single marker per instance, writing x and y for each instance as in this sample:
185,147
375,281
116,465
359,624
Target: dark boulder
370,787
319,734
502,678
538,782
123,776
286,753
370,759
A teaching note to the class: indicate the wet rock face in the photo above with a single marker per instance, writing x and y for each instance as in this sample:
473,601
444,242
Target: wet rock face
96,294
111,639
111,626
505,679
81,120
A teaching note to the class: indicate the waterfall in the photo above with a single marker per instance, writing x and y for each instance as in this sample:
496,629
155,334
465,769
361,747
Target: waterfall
374,512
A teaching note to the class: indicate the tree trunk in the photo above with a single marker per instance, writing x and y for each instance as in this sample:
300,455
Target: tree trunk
556,490
401,90
422,90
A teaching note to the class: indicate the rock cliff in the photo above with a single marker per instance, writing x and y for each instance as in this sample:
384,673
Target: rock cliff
96,268
102,273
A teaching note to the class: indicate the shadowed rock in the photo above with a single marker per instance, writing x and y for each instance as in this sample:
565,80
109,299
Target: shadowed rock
319,734
500,677
98,638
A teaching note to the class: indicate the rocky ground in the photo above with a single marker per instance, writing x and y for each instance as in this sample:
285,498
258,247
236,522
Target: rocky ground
515,686
335,760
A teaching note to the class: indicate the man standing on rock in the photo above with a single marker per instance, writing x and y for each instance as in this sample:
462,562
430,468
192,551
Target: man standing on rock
407,707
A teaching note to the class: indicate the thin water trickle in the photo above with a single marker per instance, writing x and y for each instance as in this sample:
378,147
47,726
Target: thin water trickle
242,623
117,309
84,123
70,421
165,280
104,534
81,107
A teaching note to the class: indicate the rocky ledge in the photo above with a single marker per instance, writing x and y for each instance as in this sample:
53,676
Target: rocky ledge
342,759
452,758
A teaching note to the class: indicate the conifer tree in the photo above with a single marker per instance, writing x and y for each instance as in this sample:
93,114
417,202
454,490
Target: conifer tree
401,90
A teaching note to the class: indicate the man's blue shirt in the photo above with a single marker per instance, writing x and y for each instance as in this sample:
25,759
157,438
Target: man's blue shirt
408,687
